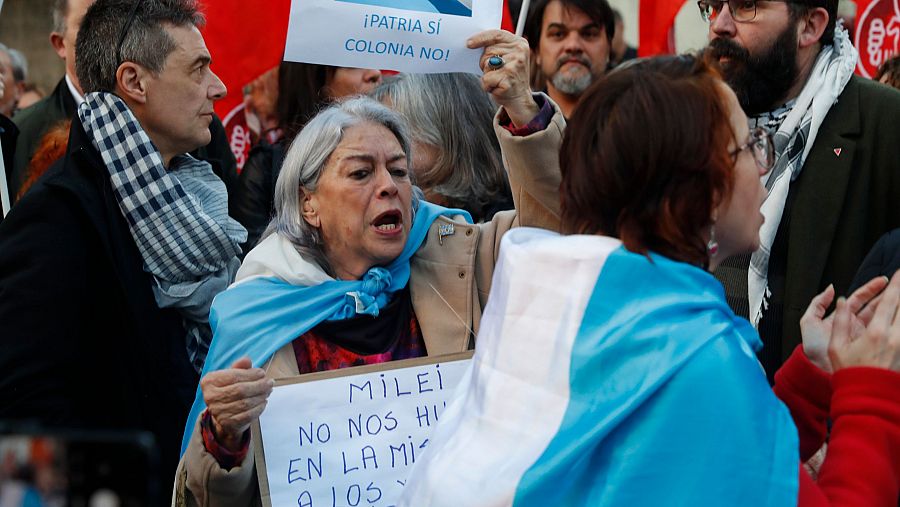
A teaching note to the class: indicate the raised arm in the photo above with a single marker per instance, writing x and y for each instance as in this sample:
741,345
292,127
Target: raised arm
529,127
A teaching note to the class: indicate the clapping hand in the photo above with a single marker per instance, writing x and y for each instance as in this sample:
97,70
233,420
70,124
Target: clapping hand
878,346
816,329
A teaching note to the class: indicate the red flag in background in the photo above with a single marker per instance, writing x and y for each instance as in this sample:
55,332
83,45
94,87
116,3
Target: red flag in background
657,18
245,39
506,22
877,34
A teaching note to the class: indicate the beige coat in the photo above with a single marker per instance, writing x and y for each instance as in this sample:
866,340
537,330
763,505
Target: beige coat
449,284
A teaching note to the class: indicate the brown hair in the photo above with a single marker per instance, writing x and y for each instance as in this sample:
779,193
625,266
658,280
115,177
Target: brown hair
646,157
891,69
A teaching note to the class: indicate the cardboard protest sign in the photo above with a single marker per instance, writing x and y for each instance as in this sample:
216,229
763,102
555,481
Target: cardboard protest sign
348,438
403,35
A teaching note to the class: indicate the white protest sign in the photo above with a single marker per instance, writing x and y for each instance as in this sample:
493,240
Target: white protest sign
348,438
404,35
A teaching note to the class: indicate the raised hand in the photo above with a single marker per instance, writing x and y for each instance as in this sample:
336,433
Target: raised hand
815,328
878,346
509,82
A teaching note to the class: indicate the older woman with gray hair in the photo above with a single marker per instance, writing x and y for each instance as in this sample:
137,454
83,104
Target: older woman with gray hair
356,268
456,157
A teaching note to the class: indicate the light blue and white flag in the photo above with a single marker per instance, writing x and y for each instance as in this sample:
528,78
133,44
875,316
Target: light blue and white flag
607,378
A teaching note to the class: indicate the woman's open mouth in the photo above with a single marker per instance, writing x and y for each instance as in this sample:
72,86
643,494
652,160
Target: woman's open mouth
389,222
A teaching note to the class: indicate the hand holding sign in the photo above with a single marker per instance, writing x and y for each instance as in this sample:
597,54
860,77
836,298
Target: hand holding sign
235,398
508,83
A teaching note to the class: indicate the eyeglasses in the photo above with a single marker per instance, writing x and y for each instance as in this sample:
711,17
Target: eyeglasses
762,146
742,11
125,28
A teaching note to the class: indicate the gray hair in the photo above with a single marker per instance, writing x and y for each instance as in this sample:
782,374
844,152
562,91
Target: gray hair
19,65
60,11
146,41
452,113
305,162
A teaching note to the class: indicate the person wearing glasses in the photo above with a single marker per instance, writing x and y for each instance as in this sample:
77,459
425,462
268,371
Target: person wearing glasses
610,370
109,264
834,188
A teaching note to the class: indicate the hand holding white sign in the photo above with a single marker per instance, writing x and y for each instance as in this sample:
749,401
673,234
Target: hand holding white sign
235,398
508,82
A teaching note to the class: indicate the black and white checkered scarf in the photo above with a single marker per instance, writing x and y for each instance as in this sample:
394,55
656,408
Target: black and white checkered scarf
177,217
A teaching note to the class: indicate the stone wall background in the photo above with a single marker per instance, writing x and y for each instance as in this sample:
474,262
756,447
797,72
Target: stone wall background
25,25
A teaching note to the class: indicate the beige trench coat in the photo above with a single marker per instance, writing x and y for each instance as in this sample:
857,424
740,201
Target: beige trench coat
449,284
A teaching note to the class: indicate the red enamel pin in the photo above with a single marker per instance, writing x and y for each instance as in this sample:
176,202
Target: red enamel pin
837,151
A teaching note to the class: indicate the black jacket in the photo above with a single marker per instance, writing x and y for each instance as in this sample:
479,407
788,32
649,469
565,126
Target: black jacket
252,201
82,342
882,260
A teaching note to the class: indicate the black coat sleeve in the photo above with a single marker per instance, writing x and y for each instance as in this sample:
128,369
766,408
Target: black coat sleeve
882,260
43,281
251,204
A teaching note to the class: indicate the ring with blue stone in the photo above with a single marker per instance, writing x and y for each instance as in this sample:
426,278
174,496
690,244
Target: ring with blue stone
495,62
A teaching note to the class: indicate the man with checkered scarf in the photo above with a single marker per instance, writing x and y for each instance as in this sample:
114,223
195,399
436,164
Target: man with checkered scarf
835,187
109,265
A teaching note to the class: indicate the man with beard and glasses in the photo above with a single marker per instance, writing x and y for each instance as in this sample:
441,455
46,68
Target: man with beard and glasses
570,41
835,187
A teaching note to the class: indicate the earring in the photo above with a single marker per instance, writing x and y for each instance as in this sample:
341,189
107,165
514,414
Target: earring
712,246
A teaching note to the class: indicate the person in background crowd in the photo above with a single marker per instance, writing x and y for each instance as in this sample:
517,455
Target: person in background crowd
889,72
303,89
62,102
260,97
109,264
619,50
31,95
456,157
8,134
570,41
11,87
20,71
358,225
614,357
833,191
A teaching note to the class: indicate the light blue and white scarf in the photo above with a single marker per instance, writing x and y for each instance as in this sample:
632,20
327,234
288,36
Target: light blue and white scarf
607,378
279,295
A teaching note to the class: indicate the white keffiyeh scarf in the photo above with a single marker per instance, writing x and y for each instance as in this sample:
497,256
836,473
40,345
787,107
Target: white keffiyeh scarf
793,140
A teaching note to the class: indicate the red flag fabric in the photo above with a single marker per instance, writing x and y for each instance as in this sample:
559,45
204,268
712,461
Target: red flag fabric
877,34
245,39
506,22
657,18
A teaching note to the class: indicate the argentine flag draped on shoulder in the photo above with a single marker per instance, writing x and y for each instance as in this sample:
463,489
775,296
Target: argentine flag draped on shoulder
607,378
279,296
